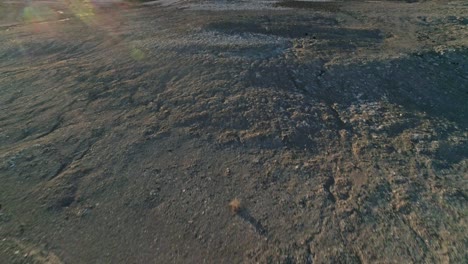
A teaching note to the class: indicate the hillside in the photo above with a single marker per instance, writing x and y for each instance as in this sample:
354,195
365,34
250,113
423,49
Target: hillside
126,130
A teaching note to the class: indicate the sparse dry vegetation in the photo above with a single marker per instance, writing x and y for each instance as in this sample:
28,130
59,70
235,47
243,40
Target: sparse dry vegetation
125,131
235,206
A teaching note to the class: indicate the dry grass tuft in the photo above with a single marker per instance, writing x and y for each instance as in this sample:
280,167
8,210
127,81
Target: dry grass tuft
235,206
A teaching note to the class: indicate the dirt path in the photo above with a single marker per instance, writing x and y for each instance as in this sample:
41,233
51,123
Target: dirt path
126,131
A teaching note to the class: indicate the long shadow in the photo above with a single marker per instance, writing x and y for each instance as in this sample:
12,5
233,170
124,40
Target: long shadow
245,215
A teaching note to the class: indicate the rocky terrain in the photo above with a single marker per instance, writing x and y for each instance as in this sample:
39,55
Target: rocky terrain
233,132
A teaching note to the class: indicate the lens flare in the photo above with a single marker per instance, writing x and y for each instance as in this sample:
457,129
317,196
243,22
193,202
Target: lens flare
104,16
137,54
29,14
37,16
83,10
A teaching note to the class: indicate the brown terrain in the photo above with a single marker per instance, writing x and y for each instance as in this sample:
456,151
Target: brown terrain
233,132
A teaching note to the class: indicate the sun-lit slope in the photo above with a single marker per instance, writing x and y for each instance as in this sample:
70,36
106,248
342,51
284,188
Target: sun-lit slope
126,131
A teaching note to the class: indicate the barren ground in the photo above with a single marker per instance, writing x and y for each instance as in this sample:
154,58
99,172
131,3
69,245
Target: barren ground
127,129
